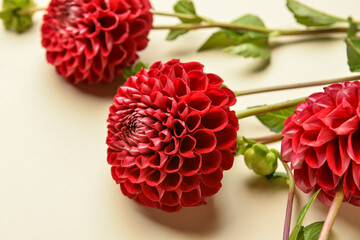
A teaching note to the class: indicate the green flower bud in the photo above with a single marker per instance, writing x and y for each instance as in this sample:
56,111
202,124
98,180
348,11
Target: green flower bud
260,159
13,15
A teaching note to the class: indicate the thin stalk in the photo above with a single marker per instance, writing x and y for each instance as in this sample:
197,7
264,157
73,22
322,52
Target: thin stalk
296,85
283,32
268,108
289,202
274,32
31,11
195,26
268,139
330,219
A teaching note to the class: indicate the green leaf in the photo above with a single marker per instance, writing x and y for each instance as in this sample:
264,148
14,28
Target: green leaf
253,48
140,65
249,20
184,7
252,21
225,38
312,231
219,39
244,43
353,53
132,70
174,34
12,20
305,209
353,28
311,17
187,7
275,120
296,233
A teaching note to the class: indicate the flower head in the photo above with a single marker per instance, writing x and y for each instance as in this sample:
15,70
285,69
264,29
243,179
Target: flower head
90,41
171,135
322,142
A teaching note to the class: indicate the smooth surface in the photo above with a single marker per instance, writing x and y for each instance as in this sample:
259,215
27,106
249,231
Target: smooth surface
55,182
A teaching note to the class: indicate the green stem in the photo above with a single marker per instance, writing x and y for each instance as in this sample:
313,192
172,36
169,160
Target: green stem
268,108
273,32
268,139
31,11
290,201
209,23
330,219
296,85
195,26
322,30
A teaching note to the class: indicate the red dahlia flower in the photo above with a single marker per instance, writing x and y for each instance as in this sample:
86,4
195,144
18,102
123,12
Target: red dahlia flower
322,142
171,135
91,40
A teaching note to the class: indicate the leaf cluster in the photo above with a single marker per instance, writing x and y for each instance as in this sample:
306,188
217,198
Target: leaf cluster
251,43
244,43
312,18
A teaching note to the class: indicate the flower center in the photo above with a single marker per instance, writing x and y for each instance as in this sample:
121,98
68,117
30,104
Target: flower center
130,127
67,13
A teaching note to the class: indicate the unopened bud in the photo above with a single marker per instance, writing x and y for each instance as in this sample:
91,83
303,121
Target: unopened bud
260,159
15,14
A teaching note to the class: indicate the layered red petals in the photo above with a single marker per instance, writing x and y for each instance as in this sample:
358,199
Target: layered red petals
171,135
322,142
91,41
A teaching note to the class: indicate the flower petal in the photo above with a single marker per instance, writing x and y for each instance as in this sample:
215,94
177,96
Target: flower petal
215,119
191,166
305,178
353,146
326,179
226,138
199,102
187,145
211,161
205,141
171,181
191,198
337,158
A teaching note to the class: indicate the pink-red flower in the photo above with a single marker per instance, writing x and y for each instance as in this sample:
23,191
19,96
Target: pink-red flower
171,135
91,40
322,142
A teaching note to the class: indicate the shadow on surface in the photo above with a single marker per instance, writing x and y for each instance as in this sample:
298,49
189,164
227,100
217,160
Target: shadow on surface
107,90
260,64
262,184
201,220
348,213
257,65
281,43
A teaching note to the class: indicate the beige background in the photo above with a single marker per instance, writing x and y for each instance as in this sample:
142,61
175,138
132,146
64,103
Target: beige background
55,182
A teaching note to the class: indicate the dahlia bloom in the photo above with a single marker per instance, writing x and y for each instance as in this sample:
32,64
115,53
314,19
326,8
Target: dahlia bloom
171,135
90,41
322,142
